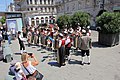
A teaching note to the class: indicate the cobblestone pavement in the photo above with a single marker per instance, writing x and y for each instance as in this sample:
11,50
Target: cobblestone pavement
105,63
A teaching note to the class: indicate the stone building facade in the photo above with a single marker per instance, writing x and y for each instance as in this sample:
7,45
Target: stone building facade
37,11
93,7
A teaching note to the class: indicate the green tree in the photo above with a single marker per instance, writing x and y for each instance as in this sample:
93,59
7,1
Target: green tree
2,20
64,20
109,22
82,18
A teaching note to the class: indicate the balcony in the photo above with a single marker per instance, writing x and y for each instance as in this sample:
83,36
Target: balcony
41,4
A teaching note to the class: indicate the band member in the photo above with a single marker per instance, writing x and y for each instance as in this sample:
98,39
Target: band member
29,37
67,46
61,50
55,37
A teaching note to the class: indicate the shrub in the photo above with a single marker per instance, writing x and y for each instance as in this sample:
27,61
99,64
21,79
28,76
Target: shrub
63,20
82,18
109,22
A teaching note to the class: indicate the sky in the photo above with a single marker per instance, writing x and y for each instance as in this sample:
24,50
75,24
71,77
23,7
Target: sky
3,4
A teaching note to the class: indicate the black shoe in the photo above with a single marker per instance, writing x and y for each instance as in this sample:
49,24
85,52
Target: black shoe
82,63
88,63
63,64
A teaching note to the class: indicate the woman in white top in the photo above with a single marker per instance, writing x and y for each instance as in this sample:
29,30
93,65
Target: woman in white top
28,66
19,75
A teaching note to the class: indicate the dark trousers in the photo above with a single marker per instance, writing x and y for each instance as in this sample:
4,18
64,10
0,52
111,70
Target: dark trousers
83,52
67,51
22,47
61,55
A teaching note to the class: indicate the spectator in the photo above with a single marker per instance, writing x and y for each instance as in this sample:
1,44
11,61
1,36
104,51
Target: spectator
29,66
19,75
85,47
9,37
1,38
21,40
31,78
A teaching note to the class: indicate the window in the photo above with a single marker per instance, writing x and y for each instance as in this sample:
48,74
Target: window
42,20
44,1
35,1
28,9
52,1
32,21
45,9
41,9
37,21
46,19
52,9
49,10
48,1
40,1
53,19
31,9
27,2
30,1
50,19
67,8
36,9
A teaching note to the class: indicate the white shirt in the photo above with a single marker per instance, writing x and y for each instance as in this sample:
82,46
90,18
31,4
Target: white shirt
22,39
13,31
30,68
67,40
18,75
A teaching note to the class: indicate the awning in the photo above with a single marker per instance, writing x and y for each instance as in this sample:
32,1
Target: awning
116,8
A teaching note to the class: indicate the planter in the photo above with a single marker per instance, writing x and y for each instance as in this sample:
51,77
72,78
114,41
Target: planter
109,39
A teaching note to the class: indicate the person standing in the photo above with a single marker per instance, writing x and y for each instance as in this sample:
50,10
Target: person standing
67,46
29,37
21,42
61,50
28,66
13,31
9,37
19,74
1,37
85,47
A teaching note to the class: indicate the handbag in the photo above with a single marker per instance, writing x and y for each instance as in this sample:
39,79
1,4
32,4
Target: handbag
36,74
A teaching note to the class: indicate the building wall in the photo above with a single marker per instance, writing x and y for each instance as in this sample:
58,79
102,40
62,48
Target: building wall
93,7
40,9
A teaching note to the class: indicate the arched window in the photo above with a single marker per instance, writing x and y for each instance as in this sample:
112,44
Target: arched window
46,19
27,2
53,19
52,1
40,1
30,1
45,9
41,9
32,21
42,20
37,21
49,9
44,1
50,19
48,1
35,1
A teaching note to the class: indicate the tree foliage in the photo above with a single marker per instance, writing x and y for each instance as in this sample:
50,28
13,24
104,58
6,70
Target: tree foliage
82,18
63,20
2,20
109,22
79,17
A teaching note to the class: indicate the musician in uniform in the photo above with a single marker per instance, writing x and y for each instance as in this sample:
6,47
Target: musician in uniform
61,50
